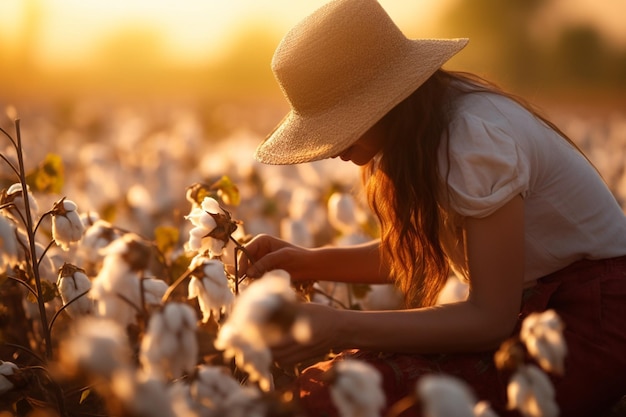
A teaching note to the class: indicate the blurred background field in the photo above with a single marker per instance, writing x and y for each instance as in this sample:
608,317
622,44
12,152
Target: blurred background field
142,98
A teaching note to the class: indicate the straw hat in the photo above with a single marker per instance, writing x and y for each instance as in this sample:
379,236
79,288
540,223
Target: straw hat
342,69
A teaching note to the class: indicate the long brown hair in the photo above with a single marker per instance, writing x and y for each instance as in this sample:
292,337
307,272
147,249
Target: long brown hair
404,188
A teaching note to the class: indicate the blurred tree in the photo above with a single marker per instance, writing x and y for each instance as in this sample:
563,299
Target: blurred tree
499,33
581,55
503,49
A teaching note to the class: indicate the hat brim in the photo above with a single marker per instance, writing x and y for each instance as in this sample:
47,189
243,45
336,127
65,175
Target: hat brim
303,138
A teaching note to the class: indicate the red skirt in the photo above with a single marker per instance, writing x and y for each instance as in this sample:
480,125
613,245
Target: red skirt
590,298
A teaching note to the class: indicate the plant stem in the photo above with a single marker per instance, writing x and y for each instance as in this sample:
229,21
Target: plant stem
31,240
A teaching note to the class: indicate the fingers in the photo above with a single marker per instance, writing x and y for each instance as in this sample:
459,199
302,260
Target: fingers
256,257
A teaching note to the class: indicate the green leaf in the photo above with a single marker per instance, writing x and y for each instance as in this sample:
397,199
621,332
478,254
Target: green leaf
227,190
48,176
166,238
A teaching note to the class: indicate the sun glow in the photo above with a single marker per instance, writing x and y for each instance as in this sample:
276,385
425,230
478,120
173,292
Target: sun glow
69,31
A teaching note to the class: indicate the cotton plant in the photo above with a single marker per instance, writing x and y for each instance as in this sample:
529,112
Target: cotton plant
443,395
141,394
95,346
210,285
356,389
213,391
262,314
344,215
67,226
542,334
531,392
249,353
212,227
297,232
14,195
8,244
7,369
119,291
169,348
98,235
73,285
306,205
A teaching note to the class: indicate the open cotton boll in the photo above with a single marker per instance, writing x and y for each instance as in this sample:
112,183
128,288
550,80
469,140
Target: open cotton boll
142,394
296,231
6,368
8,244
96,346
67,226
213,384
169,349
453,291
357,389
342,212
73,283
531,392
153,290
261,314
15,195
210,286
444,395
251,355
542,333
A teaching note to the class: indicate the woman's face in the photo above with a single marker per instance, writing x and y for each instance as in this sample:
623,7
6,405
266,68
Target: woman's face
366,147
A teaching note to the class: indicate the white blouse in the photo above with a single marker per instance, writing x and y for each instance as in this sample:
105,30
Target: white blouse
497,149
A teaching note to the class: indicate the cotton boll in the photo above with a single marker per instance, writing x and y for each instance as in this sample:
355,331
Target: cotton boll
67,226
73,283
542,333
444,396
306,205
142,394
212,228
297,232
96,346
261,314
357,390
530,391
210,285
115,280
8,244
96,237
153,290
342,213
169,349
383,297
15,195
248,351
6,369
454,291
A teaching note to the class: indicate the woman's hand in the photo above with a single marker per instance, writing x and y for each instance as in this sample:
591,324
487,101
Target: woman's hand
325,335
265,253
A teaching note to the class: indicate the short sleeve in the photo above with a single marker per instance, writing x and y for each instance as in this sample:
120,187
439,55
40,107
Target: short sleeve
487,167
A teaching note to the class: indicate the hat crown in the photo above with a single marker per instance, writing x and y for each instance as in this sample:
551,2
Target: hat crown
335,52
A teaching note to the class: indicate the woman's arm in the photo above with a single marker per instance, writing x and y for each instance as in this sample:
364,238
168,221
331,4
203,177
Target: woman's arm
355,264
495,252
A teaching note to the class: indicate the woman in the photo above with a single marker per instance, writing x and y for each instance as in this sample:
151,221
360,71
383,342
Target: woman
461,176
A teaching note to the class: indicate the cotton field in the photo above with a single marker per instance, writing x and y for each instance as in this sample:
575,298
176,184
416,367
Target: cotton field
115,296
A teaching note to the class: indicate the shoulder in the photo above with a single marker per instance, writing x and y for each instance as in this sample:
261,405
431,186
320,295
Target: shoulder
488,108
483,160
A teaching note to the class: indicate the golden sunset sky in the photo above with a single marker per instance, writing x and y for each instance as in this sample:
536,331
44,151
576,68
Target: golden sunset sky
79,44
67,31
